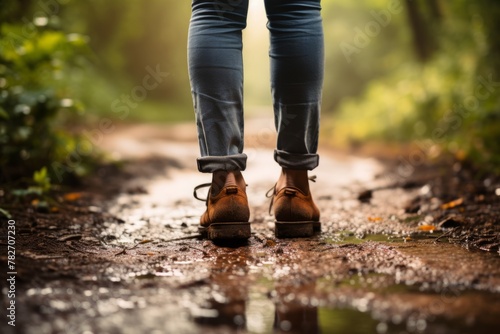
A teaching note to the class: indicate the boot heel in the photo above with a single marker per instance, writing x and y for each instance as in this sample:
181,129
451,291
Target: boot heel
298,229
225,231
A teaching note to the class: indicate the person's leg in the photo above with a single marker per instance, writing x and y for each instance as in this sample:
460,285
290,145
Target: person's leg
216,75
297,64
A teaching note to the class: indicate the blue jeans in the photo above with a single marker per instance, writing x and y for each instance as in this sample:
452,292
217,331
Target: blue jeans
216,75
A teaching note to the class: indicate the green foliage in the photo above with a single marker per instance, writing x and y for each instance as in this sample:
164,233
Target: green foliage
449,103
41,185
36,59
42,180
345,23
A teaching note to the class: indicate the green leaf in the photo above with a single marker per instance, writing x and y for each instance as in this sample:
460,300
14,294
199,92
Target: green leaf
26,192
3,113
5,213
50,40
41,179
40,175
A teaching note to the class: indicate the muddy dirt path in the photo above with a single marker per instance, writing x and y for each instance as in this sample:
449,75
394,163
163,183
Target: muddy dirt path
122,255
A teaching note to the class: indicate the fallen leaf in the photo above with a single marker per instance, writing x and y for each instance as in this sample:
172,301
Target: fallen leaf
460,155
427,227
452,204
72,196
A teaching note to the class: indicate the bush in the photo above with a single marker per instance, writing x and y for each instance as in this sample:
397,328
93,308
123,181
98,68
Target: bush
34,71
449,103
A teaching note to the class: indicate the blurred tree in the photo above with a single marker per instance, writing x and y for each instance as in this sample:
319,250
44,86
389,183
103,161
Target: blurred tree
347,23
489,11
487,127
422,40
128,36
446,100
435,9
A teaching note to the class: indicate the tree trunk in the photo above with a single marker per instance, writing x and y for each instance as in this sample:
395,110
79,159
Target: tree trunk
421,39
490,11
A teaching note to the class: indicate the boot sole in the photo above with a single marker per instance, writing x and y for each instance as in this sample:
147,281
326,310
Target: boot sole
226,231
299,229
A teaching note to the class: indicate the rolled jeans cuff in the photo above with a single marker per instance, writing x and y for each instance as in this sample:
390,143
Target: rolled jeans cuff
306,161
210,164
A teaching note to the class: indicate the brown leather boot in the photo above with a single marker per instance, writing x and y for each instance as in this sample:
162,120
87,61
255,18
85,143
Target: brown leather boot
295,212
227,213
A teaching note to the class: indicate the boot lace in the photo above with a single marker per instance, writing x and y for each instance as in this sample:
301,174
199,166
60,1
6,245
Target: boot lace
203,185
198,187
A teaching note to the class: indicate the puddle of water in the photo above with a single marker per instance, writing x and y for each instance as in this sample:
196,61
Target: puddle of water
348,321
260,315
347,237
370,280
267,308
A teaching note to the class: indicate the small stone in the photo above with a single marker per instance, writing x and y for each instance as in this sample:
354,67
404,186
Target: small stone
365,196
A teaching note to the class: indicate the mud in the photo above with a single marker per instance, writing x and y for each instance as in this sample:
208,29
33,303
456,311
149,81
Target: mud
122,253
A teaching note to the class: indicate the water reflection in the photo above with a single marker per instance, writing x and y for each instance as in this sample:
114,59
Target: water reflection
296,318
226,305
230,314
287,318
235,305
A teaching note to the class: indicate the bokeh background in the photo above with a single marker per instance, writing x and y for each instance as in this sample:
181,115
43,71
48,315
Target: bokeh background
399,73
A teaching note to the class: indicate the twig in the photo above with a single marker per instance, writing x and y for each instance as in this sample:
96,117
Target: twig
70,237
196,236
443,235
123,251
201,250
328,248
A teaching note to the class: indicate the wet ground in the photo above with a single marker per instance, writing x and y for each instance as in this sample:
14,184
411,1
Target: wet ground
121,254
